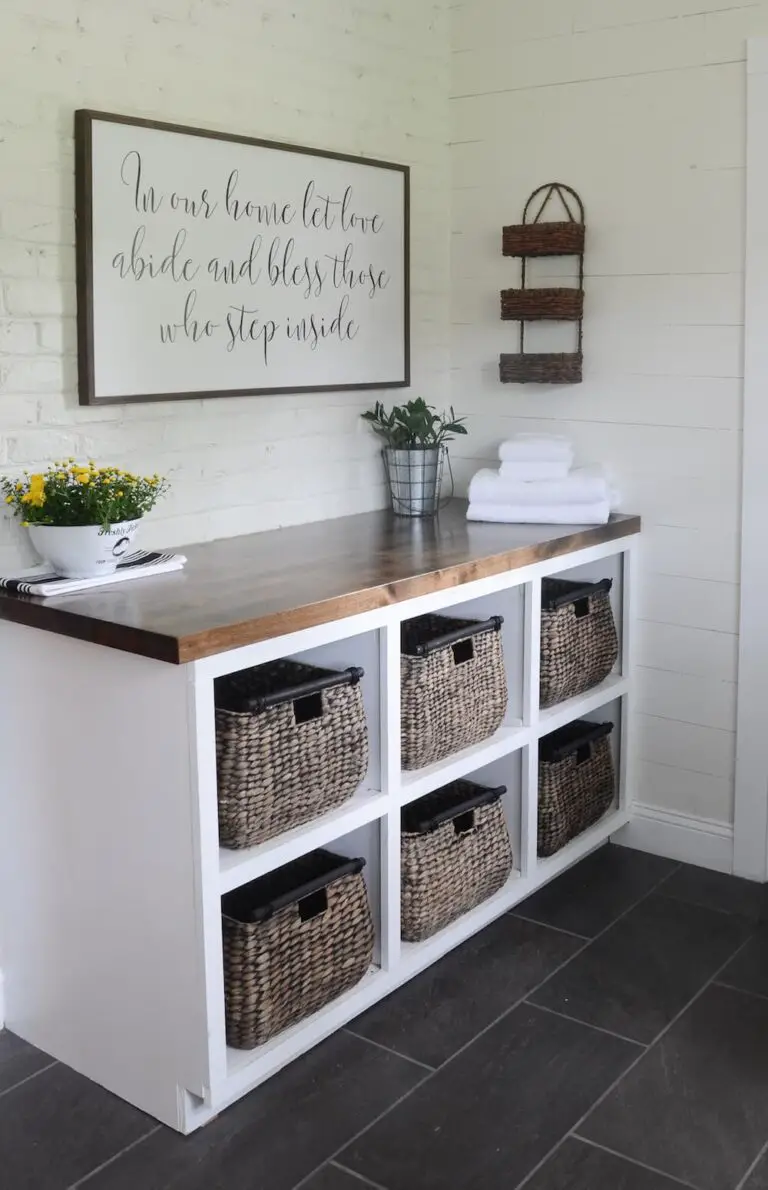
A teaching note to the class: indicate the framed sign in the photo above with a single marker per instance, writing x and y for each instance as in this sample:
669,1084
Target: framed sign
213,265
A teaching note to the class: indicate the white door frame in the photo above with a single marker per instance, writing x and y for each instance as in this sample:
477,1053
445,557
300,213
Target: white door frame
750,842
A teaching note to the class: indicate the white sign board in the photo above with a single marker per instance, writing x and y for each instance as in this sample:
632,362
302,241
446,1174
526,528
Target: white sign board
213,265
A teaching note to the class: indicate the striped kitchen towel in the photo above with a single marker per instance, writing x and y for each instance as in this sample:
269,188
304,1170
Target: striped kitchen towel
46,583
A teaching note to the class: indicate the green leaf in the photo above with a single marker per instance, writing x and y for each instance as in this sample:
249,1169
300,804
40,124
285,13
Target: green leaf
414,424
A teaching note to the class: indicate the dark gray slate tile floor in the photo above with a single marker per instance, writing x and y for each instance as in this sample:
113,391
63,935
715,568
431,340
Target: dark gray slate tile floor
610,1034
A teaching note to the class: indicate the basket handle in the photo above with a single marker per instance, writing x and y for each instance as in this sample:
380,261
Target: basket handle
554,753
265,702
551,603
306,891
486,797
464,824
313,905
450,638
463,651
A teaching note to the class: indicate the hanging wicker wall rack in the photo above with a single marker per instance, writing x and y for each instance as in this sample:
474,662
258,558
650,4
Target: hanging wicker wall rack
535,237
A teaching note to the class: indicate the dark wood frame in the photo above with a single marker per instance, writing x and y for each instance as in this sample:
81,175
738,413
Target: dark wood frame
84,119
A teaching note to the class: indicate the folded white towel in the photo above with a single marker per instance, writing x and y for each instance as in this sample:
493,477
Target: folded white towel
582,486
42,581
532,514
536,448
525,472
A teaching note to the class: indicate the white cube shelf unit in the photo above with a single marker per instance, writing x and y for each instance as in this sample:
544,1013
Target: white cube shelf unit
111,875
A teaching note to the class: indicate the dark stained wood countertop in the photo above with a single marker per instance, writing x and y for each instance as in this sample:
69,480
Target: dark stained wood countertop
240,590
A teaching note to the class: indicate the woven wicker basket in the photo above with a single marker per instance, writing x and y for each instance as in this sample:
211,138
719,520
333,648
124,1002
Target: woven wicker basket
543,239
579,645
293,941
454,853
535,305
453,686
541,368
576,782
291,743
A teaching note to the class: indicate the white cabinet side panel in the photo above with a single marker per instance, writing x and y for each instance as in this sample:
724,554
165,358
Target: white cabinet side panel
98,919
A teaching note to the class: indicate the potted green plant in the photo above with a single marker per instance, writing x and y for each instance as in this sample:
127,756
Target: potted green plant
82,518
416,438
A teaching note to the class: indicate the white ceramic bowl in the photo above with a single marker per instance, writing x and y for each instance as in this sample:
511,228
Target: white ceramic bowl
83,551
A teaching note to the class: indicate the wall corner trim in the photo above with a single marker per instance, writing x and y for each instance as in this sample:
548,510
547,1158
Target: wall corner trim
750,853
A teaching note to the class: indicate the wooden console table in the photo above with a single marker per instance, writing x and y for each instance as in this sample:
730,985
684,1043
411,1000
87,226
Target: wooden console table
110,870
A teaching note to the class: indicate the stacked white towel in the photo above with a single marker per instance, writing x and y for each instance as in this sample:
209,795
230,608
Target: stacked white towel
535,484
537,451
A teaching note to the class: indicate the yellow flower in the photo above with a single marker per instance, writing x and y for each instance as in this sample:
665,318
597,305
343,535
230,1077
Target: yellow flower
37,490
9,499
119,493
25,524
84,477
19,486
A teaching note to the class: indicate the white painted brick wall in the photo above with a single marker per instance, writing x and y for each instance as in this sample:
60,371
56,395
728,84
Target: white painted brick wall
639,104
359,76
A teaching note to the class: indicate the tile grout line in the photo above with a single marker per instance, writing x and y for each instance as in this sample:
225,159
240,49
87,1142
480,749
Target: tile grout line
573,1130
585,938
634,905
580,950
360,1177
634,1161
22,1082
589,941
664,879
546,925
754,925
388,1050
744,991
598,1029
331,1158
742,1183
83,1181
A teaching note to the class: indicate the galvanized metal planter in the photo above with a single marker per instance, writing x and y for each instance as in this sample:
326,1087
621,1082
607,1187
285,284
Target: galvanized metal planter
415,476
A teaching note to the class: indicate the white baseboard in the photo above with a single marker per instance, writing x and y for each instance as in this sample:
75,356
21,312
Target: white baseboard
699,841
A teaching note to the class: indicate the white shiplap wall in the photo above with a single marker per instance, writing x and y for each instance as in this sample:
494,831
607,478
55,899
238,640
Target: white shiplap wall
639,104
351,75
